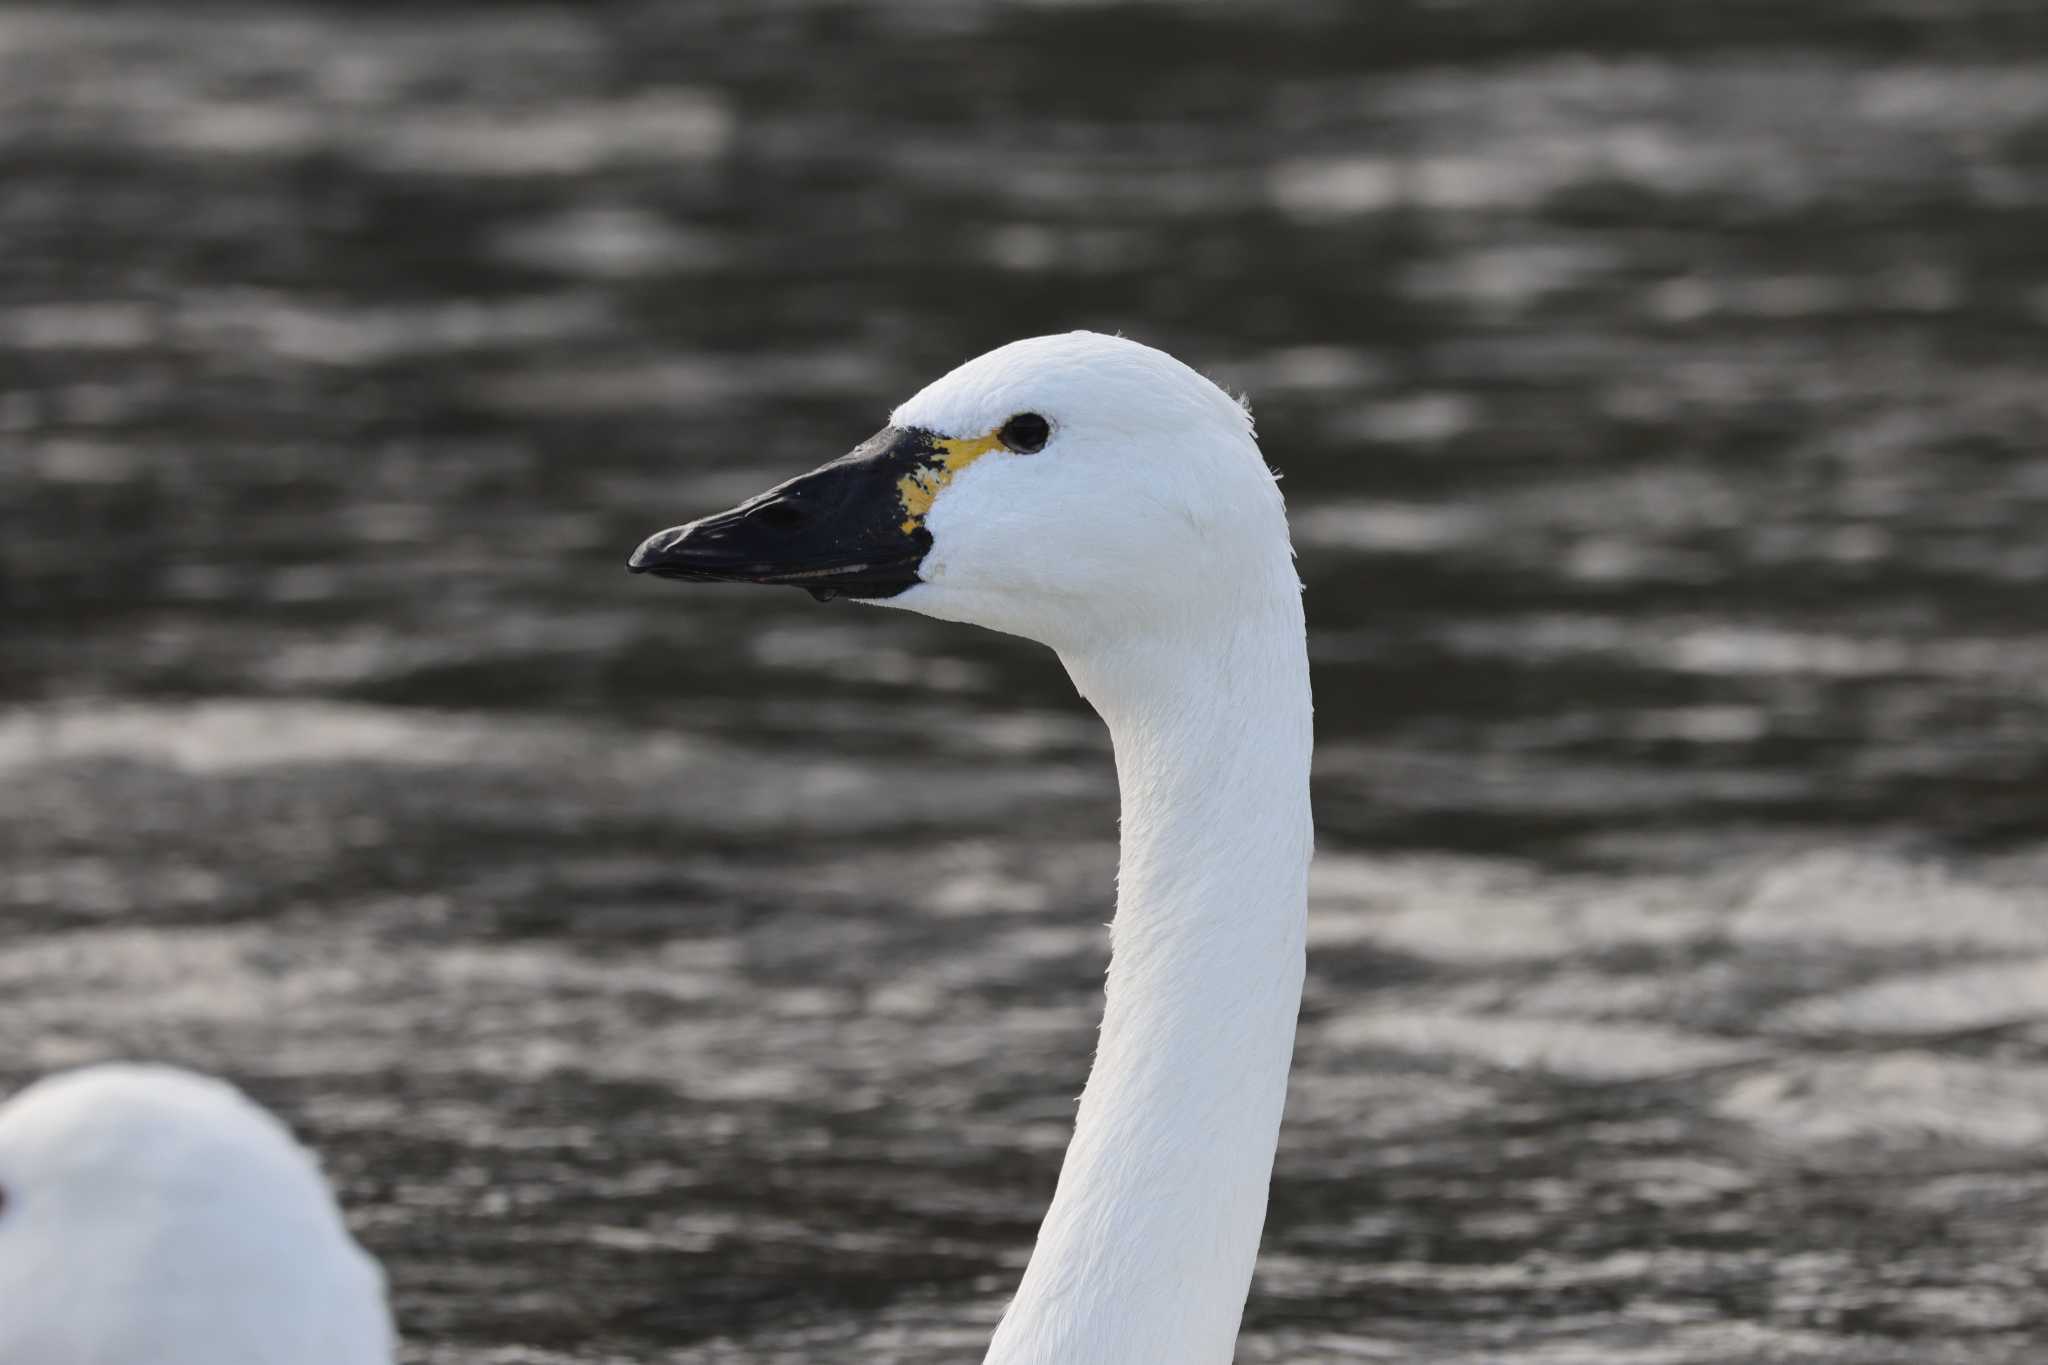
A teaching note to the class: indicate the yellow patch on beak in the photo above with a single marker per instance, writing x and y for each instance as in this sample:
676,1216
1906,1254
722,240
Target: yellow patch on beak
921,485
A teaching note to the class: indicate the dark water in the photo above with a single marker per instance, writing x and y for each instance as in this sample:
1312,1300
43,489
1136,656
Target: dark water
706,976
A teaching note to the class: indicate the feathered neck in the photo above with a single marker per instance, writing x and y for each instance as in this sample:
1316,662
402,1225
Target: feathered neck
1147,1251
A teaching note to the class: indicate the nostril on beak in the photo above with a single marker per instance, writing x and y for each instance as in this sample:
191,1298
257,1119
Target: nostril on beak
783,514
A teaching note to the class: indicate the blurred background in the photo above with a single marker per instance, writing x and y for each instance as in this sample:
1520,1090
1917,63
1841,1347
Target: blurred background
706,976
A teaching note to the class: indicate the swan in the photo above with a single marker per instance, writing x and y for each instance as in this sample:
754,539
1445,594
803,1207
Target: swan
151,1216
1100,497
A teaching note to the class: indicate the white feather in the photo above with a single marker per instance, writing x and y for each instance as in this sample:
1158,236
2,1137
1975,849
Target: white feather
156,1217
1147,544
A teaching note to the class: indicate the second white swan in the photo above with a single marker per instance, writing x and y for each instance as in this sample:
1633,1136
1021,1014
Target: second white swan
150,1216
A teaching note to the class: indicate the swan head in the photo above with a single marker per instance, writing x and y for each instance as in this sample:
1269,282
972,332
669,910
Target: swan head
151,1215
1072,489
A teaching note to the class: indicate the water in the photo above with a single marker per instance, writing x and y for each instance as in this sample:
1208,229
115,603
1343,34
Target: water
705,976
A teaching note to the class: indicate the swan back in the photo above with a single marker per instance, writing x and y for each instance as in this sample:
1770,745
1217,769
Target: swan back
156,1217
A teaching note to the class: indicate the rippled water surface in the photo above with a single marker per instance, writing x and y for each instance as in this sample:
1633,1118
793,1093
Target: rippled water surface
706,976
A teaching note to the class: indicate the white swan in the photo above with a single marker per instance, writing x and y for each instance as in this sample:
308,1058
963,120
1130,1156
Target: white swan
1100,497
149,1216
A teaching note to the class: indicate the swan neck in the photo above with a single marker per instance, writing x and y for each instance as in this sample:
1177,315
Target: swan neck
1147,1251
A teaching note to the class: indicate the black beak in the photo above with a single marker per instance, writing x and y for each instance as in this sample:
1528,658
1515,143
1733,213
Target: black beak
847,528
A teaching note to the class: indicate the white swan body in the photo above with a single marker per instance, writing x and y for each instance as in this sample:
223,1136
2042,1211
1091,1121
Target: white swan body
149,1216
1133,526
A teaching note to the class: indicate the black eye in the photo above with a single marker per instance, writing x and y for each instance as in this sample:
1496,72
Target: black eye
1026,433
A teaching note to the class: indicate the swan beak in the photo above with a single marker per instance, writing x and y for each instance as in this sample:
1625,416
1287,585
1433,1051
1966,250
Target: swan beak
848,529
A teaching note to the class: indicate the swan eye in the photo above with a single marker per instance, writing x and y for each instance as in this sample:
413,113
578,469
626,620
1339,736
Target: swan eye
1026,433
